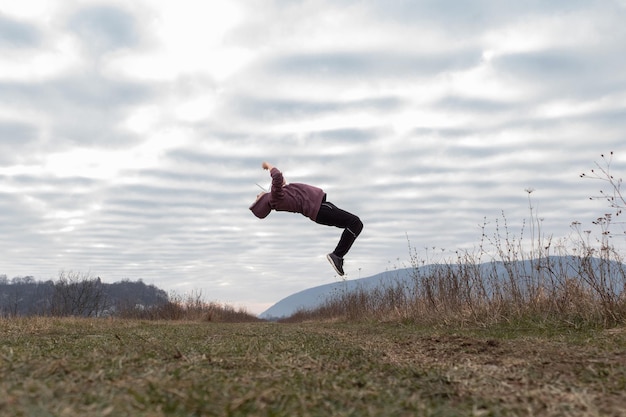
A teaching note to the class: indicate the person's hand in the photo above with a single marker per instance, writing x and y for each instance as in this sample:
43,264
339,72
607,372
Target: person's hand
267,166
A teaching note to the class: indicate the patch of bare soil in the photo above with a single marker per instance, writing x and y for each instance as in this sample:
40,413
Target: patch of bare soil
532,376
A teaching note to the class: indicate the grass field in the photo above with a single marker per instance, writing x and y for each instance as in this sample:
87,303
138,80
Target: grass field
99,367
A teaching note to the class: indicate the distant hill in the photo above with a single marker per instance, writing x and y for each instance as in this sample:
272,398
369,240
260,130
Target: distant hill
313,297
24,296
557,266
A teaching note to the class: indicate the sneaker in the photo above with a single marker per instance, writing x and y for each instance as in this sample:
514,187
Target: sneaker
336,262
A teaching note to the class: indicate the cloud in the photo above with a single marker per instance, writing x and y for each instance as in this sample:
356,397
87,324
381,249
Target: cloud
470,17
556,71
374,64
17,34
131,135
271,109
15,136
104,28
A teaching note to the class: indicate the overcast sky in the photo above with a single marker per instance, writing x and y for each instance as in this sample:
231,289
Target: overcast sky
132,133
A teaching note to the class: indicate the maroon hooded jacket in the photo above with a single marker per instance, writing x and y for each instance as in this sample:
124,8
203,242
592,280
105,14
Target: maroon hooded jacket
296,198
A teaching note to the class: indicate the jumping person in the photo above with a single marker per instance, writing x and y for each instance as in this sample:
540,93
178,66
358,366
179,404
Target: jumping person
311,202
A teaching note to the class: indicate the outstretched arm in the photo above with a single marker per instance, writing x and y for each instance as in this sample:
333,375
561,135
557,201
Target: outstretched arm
278,181
270,167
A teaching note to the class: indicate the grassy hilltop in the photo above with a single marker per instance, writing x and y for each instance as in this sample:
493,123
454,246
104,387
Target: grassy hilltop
96,367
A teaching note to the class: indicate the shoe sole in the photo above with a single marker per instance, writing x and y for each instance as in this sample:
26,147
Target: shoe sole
333,265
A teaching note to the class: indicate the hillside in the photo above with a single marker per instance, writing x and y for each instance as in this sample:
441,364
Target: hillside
546,269
23,296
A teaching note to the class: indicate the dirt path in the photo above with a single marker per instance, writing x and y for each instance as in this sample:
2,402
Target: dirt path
537,375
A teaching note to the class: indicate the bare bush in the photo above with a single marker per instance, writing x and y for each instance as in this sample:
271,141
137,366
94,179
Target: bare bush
78,294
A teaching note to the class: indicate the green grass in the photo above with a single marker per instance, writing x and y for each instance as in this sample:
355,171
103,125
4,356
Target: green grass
67,367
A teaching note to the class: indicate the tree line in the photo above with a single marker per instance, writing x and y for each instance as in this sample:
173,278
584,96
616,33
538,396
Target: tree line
76,294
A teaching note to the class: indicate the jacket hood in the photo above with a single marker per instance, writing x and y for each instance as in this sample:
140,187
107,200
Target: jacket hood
261,207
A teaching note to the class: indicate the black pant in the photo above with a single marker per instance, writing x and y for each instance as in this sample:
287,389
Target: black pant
331,215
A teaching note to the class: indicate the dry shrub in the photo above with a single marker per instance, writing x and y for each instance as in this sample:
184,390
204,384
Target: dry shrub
585,287
191,308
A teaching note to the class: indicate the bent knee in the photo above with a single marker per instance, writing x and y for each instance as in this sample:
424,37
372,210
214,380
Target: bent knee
357,226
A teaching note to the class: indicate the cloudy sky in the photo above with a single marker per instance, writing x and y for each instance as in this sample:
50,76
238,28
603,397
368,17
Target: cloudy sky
132,133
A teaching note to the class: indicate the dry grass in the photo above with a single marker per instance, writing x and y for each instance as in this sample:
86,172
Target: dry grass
190,308
583,285
113,367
